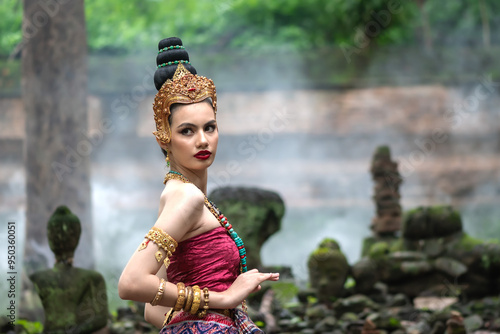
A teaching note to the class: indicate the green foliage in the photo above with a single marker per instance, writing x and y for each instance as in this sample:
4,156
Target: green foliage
284,291
349,283
260,25
394,322
30,327
378,250
468,243
10,25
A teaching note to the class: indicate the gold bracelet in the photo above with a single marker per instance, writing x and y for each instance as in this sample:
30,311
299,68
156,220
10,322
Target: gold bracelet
181,296
159,294
206,296
196,299
189,298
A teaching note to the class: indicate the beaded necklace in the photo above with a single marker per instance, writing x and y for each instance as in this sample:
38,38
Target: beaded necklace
223,221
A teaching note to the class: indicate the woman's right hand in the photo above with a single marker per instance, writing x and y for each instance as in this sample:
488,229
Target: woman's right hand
244,285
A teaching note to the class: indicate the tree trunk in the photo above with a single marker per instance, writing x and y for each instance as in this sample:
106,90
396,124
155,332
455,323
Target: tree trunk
485,23
56,154
426,27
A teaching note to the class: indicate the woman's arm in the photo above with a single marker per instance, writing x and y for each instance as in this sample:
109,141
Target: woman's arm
180,209
155,315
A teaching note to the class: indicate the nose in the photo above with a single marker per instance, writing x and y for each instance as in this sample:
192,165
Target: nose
202,139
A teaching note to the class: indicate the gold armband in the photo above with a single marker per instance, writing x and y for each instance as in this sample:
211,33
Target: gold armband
181,296
163,241
196,299
189,299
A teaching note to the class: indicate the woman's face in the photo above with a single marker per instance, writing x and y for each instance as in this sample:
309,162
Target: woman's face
194,138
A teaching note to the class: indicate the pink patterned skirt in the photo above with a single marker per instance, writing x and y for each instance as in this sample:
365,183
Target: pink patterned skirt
213,322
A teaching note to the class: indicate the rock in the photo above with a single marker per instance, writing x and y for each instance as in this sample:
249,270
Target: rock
398,331
434,303
494,324
455,325
349,316
387,181
369,327
254,213
408,256
326,324
378,250
317,312
473,322
307,331
432,247
415,268
398,300
438,328
304,295
431,222
364,273
328,270
384,320
450,266
356,304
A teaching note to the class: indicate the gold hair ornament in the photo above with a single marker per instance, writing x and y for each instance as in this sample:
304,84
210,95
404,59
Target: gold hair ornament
184,88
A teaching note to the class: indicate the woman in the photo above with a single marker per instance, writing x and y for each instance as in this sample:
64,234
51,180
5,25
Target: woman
191,267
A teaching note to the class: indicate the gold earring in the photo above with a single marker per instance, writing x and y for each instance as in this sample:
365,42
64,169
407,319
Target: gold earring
167,160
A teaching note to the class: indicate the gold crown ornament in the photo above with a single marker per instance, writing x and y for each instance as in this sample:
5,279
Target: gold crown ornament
185,88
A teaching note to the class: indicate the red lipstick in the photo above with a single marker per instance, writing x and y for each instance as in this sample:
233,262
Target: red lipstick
203,155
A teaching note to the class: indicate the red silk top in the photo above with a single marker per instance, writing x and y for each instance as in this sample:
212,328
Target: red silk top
210,259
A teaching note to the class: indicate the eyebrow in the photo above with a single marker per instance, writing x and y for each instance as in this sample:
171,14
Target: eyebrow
192,125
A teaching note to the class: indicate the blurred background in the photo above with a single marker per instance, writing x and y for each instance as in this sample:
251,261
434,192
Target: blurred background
307,91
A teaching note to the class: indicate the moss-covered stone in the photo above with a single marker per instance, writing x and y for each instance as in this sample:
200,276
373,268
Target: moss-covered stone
63,233
74,299
431,222
378,250
365,274
328,270
254,213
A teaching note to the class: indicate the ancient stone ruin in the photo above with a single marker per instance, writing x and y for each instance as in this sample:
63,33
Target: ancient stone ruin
328,270
256,213
74,299
387,221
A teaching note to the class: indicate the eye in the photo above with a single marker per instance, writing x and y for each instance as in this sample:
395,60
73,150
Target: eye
186,131
210,128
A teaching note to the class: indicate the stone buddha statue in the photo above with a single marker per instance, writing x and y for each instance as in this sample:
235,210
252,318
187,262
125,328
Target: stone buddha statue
74,299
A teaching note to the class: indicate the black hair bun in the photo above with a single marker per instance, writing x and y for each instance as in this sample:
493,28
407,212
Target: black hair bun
170,49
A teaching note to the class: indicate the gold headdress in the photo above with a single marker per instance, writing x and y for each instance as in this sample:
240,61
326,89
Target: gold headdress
185,88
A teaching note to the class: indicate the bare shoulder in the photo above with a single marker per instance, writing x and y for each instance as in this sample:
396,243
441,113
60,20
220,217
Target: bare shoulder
181,194
181,207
